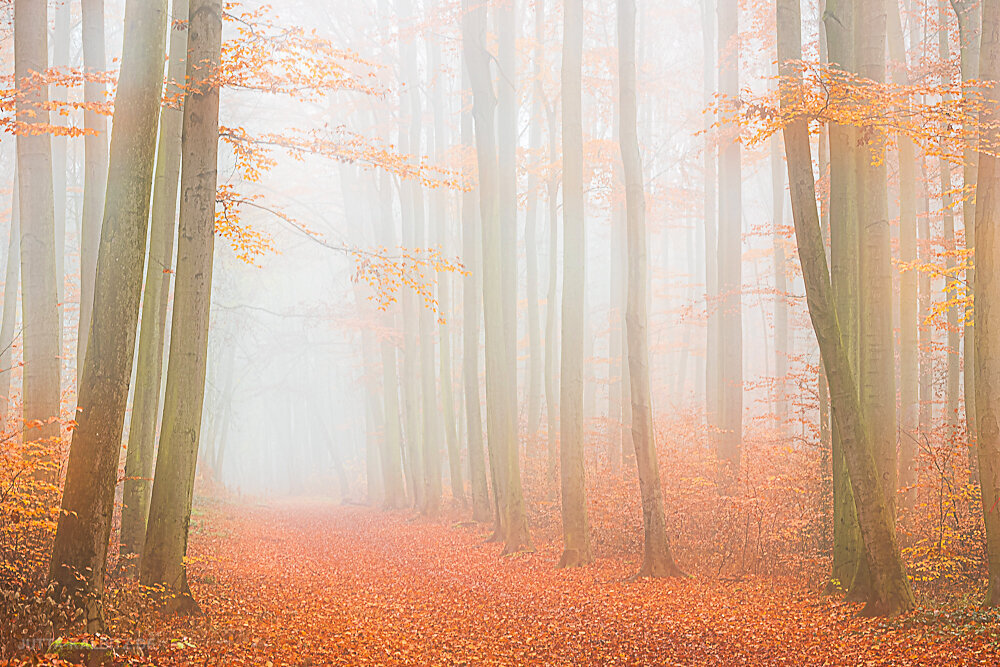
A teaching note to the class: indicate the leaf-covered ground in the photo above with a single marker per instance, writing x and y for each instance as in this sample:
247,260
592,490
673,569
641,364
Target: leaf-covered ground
317,584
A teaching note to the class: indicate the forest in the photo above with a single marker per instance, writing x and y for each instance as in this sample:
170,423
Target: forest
499,332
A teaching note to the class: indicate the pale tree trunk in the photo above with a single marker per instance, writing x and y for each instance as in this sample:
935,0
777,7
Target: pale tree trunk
780,288
173,484
948,215
501,424
657,559
439,206
159,268
60,59
576,531
617,284
730,353
81,542
925,336
877,359
909,399
8,323
534,387
472,313
95,180
552,306
890,593
987,299
969,27
847,549
39,300
709,158
516,533
392,444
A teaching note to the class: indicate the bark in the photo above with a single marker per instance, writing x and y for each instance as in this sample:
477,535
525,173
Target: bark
173,484
780,288
615,348
890,590
501,425
39,300
472,314
95,181
730,409
948,218
532,215
709,158
657,558
60,59
84,528
159,268
576,530
987,299
552,306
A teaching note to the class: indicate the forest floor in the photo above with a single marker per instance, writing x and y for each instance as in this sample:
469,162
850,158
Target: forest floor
318,584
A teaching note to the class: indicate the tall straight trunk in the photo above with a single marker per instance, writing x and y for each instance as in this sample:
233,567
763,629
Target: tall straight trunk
730,262
501,419
925,336
890,592
173,484
657,559
39,300
909,399
60,58
159,268
95,179
987,298
532,215
472,313
552,362
948,218
576,531
709,159
877,360
11,285
969,29
392,443
780,287
439,207
617,319
516,536
839,29
84,528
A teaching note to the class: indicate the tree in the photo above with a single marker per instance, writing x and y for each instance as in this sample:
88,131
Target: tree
39,300
81,541
173,484
657,560
159,269
730,256
10,302
890,592
987,297
576,531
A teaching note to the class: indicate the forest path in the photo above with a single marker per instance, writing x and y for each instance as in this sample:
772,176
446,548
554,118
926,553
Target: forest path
316,584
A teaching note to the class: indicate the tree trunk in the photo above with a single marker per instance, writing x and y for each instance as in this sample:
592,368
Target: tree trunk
709,158
173,483
81,542
39,300
730,257
780,288
159,268
9,321
95,183
501,424
890,592
552,362
576,531
534,388
948,216
987,299
657,559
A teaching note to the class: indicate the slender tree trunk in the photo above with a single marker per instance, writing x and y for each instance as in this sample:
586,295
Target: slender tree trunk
159,268
60,144
173,484
617,320
552,362
534,388
890,591
909,400
780,287
987,299
730,260
948,217
11,286
501,424
709,158
95,183
39,296
576,531
84,528
657,559
472,313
